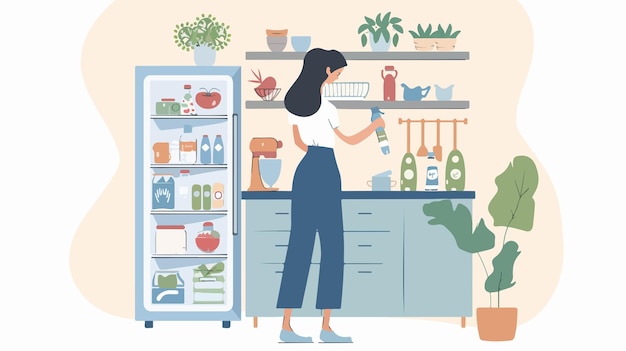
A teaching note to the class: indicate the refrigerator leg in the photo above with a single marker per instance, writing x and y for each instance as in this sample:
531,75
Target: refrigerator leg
148,324
225,324
255,321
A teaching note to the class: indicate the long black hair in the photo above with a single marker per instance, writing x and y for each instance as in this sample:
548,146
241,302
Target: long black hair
304,97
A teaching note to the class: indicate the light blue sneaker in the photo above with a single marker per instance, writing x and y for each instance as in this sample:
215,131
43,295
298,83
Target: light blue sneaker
330,337
292,337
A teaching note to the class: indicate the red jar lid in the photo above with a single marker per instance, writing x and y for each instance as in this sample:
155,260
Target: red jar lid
207,224
174,226
187,86
184,171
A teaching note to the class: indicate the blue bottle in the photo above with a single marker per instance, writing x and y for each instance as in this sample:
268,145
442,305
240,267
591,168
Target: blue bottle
218,150
380,132
205,150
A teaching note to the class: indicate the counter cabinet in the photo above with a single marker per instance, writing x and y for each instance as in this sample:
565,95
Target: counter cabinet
396,264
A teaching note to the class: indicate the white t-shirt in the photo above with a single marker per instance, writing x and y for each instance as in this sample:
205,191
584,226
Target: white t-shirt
318,129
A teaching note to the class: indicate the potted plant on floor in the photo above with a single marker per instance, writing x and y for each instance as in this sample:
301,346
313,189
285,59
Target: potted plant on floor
445,39
205,36
422,38
511,207
379,31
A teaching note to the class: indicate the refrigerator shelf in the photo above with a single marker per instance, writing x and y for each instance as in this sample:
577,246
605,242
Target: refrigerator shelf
187,165
184,118
207,255
189,212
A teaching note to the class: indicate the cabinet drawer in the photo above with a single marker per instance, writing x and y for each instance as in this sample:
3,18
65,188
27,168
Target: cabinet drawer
268,214
263,284
271,247
365,215
373,247
372,290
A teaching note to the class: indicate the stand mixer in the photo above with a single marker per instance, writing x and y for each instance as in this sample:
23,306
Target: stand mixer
267,148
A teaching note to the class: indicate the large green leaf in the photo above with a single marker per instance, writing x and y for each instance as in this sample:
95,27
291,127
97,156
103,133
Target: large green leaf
459,222
502,276
513,204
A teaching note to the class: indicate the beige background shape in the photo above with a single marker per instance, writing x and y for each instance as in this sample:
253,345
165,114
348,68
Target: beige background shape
131,33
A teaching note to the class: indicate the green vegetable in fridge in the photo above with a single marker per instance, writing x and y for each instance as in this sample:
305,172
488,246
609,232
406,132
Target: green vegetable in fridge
216,268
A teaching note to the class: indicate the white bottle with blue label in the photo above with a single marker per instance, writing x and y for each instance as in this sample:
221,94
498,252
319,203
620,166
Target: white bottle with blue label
432,173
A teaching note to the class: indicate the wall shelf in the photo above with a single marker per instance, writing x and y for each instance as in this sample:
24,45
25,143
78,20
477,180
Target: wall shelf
366,104
365,55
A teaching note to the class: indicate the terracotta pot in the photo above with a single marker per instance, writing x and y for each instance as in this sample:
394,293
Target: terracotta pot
496,324
424,44
445,44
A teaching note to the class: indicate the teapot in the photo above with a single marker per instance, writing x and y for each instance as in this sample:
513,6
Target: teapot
414,94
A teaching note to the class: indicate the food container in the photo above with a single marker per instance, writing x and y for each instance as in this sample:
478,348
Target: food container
168,287
168,107
170,240
163,191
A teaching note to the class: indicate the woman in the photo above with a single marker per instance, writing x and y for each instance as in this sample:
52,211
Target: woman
316,193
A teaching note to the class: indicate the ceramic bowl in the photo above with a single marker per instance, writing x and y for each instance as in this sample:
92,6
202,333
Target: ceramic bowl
300,43
276,44
276,32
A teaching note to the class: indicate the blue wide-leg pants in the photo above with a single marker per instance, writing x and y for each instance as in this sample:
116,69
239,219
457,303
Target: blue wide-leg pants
315,208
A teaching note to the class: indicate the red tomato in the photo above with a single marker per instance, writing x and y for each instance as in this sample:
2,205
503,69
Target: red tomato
208,98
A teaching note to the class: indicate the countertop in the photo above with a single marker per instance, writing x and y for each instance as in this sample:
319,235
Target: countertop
367,194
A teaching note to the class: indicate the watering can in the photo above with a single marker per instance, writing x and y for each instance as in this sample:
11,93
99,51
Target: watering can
414,94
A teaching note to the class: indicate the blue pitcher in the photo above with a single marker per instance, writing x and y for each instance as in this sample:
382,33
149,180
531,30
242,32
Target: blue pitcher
414,94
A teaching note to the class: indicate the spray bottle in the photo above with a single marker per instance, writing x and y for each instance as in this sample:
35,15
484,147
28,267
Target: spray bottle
380,132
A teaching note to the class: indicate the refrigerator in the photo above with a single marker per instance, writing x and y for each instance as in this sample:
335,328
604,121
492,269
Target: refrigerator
187,194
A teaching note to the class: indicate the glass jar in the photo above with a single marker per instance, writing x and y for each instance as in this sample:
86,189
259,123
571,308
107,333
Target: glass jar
183,191
208,239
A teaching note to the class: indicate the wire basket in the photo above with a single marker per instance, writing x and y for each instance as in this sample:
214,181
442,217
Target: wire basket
346,90
267,94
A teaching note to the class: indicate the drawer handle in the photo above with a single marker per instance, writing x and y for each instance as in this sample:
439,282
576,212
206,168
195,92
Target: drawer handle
364,245
368,272
281,213
281,245
364,213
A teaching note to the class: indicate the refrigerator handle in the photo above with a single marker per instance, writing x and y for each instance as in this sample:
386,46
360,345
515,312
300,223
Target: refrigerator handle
236,160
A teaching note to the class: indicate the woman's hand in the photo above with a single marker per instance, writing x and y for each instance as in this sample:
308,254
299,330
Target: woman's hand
378,123
360,136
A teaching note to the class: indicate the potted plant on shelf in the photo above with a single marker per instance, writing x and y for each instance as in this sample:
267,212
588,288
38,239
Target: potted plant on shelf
378,31
422,38
205,36
445,40
512,206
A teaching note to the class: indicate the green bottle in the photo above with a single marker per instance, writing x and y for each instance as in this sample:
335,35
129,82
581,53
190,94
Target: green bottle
206,197
196,197
408,173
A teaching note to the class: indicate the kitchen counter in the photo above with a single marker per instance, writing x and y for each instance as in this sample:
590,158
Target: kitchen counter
367,194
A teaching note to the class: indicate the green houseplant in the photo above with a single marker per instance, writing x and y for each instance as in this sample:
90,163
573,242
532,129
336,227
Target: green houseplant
422,38
205,36
445,39
512,207
380,31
